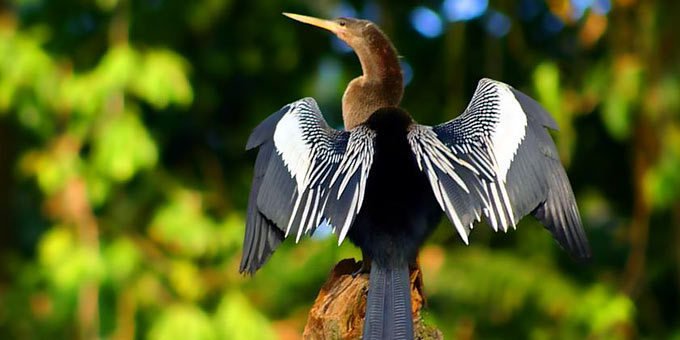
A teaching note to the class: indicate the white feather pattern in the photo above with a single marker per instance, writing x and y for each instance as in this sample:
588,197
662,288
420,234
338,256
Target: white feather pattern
357,158
290,144
431,153
510,130
308,152
483,140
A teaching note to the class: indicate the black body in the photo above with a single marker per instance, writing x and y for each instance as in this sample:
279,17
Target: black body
399,210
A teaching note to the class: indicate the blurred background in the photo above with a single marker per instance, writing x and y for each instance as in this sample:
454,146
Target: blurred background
124,180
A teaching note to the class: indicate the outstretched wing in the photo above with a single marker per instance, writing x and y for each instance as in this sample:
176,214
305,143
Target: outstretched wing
306,173
498,160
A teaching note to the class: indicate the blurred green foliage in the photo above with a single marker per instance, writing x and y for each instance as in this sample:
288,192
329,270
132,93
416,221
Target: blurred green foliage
124,180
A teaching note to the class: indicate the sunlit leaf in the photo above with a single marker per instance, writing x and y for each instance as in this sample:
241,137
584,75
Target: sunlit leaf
162,80
237,319
547,86
616,115
123,146
182,322
67,263
55,246
186,280
55,166
117,67
181,225
230,232
23,64
121,258
98,186
148,289
622,97
604,311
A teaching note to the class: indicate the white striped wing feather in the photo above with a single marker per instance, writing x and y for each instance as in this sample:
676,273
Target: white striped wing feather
317,173
494,159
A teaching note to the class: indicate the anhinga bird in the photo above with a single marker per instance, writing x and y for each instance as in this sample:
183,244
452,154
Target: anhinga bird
385,180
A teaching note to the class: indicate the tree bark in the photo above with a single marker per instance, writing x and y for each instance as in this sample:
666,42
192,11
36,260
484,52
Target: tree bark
339,309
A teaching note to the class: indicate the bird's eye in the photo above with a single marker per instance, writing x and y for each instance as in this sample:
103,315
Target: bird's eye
342,23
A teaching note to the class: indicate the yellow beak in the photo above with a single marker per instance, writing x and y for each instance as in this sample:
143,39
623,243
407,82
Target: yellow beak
325,24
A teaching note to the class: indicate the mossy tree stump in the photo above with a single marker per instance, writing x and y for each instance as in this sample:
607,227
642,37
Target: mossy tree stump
339,309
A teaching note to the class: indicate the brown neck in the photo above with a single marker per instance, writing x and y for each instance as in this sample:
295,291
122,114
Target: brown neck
381,84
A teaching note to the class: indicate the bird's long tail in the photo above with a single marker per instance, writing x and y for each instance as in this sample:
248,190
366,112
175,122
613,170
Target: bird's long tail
388,308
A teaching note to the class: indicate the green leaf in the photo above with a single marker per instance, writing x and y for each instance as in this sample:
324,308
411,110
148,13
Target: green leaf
122,147
603,310
24,65
181,225
89,93
53,167
185,278
547,86
616,115
98,186
236,319
117,68
55,245
185,322
121,258
162,80
230,231
622,98
66,263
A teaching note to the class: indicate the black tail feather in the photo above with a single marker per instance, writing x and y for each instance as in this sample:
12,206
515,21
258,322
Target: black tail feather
388,308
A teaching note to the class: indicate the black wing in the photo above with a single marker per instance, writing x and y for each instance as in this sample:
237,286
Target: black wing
306,173
498,160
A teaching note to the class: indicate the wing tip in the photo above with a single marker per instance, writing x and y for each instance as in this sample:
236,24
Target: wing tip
246,270
567,229
579,252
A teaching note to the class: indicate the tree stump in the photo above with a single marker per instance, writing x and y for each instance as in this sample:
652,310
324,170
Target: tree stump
340,307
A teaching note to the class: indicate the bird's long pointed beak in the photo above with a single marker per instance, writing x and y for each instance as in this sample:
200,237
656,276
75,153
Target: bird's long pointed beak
325,24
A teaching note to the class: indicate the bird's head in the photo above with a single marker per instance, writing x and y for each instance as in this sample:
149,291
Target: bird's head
381,84
352,31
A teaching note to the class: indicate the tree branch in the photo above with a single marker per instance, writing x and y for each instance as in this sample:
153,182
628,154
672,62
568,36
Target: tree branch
339,309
